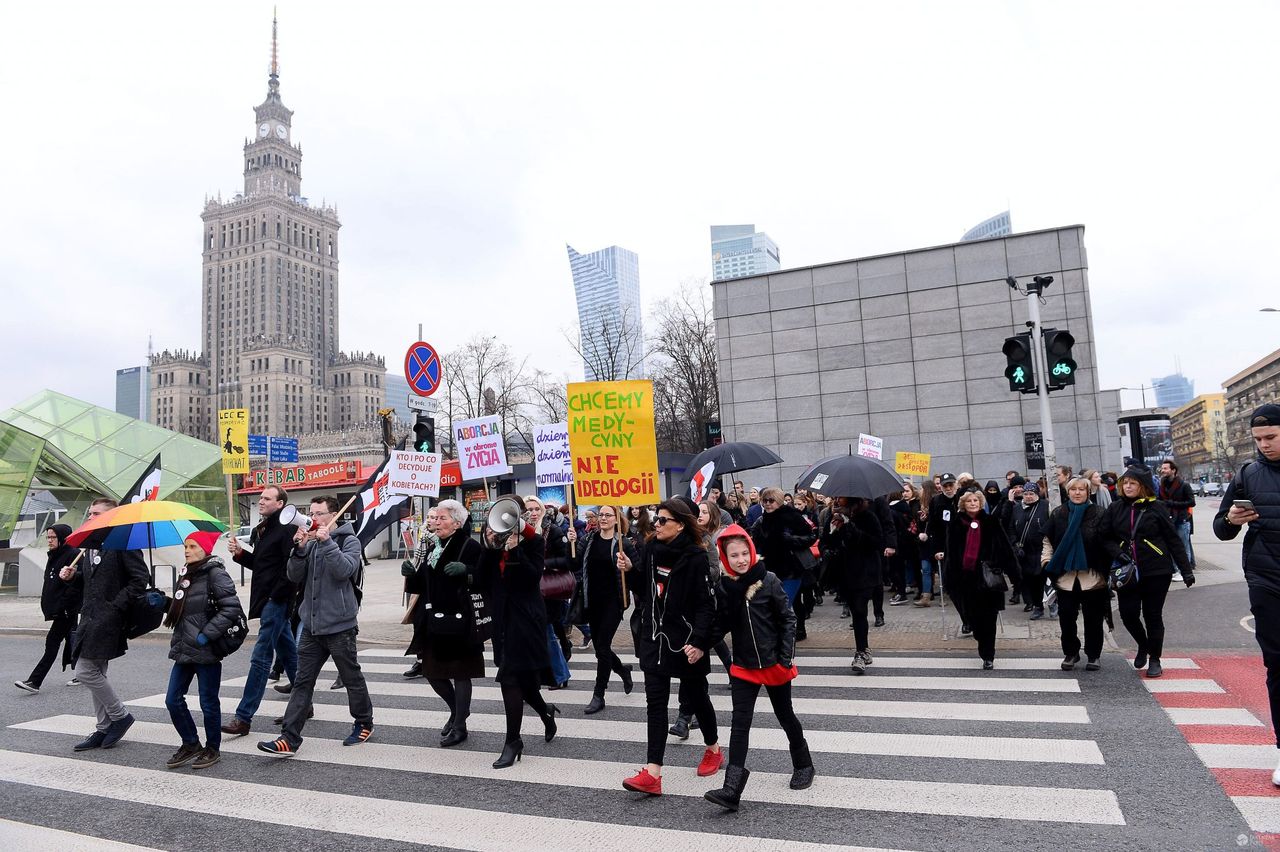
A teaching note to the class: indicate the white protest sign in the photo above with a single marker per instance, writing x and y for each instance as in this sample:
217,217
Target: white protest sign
869,446
480,449
415,474
551,461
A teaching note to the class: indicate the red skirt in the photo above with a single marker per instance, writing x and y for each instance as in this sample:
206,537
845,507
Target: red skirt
775,675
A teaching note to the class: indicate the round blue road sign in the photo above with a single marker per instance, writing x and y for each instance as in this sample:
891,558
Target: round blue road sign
422,369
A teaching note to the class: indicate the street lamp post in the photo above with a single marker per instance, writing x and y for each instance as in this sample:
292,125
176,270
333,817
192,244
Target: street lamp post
1142,388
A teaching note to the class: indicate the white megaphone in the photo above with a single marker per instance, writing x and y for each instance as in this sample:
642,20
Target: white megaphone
290,515
505,517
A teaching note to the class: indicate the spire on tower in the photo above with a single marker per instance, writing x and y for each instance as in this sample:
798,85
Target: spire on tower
274,83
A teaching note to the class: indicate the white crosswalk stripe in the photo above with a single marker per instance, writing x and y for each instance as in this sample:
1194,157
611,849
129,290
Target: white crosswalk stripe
910,750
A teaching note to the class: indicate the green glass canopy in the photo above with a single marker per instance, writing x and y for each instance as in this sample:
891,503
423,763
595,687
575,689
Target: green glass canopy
79,451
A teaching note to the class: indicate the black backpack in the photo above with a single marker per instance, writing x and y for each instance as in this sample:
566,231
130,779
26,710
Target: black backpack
357,579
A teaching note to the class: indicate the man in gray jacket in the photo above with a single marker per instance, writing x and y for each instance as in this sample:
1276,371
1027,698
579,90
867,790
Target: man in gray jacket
326,561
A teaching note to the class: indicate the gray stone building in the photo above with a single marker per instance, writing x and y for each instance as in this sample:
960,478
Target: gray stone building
907,347
269,305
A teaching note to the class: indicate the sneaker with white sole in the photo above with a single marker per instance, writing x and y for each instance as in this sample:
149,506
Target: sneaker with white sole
359,733
75,681
27,686
899,600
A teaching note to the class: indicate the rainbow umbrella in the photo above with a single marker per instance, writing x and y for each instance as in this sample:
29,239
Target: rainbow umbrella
147,523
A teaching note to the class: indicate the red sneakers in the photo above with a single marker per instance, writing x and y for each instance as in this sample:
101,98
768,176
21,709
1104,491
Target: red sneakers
711,763
643,782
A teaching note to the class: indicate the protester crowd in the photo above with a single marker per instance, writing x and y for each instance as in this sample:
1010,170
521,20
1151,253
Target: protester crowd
736,577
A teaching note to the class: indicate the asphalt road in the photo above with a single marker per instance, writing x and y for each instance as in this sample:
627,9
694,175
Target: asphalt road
925,752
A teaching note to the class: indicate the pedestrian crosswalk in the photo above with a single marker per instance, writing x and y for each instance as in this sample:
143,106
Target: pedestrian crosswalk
921,746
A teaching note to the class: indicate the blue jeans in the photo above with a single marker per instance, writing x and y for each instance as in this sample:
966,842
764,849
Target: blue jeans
792,588
559,668
926,576
210,678
274,637
1184,533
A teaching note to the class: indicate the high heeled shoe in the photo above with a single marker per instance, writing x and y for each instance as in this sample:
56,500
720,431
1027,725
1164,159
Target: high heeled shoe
550,721
627,684
510,754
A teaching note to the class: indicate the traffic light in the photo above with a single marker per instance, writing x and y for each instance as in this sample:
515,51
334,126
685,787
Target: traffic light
424,434
1020,372
1061,369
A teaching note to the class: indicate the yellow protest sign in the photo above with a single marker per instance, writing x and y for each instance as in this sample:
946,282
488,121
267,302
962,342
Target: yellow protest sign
612,443
912,464
233,432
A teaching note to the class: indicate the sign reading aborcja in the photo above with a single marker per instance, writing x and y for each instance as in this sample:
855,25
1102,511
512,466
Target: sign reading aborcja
612,442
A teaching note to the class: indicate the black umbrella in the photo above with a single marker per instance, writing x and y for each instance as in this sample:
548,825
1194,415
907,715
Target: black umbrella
730,457
850,476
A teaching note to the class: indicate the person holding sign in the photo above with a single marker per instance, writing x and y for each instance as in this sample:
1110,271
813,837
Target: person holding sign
674,626
602,596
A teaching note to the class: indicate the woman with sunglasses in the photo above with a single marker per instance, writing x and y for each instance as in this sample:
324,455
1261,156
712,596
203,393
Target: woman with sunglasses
673,627
602,596
204,605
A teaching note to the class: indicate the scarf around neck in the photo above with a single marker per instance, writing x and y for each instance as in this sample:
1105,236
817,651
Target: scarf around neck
1070,555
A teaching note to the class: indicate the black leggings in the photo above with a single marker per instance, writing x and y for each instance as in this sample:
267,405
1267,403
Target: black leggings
519,689
744,708
1094,603
1145,602
456,694
59,634
693,694
981,608
858,599
721,650
1033,590
604,625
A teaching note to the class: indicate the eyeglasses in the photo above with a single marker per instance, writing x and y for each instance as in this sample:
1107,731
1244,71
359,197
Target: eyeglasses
319,514
768,500
661,521
608,515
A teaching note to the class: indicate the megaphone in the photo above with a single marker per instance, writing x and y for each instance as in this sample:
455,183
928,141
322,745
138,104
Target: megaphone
505,518
290,515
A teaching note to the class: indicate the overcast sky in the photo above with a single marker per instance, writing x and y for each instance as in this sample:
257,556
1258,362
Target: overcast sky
465,143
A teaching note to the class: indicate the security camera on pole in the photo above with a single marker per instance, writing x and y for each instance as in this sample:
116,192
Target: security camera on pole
1053,369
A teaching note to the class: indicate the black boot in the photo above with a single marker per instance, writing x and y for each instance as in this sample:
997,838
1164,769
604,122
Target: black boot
457,734
728,796
510,754
802,766
680,728
595,705
549,721
627,684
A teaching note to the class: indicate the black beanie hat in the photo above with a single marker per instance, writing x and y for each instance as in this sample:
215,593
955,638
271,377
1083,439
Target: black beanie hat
1140,472
1016,481
61,531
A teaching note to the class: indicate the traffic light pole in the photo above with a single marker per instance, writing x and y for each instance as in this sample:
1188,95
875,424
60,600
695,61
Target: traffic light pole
1040,362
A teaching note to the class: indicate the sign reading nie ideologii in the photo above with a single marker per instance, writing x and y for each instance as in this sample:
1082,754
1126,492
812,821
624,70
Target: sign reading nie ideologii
611,439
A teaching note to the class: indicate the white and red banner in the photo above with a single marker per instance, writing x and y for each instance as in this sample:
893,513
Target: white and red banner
413,473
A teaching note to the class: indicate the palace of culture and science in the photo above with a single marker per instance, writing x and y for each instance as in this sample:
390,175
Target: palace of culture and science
269,306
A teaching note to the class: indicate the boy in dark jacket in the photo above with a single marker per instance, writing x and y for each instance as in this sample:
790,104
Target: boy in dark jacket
754,609
60,603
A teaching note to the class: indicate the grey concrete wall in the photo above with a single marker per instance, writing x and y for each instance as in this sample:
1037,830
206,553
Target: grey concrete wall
906,347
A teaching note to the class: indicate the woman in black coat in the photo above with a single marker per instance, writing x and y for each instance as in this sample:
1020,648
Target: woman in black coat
1139,525
602,598
513,571
975,537
1026,522
1075,557
443,637
203,608
674,627
783,537
60,603
852,542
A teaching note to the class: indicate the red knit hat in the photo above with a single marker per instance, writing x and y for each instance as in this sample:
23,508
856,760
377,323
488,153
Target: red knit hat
204,539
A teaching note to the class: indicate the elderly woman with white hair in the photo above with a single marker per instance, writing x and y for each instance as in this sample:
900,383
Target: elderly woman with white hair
442,635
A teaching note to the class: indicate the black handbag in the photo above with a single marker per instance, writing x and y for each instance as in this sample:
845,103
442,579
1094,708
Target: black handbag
993,578
1124,571
141,617
233,637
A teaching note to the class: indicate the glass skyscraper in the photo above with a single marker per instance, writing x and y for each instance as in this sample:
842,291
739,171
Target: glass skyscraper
999,225
132,392
606,284
740,250
1173,391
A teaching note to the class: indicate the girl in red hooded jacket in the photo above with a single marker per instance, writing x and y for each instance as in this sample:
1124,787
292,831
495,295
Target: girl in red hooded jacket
753,608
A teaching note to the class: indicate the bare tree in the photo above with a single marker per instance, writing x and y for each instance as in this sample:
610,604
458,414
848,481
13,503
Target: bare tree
611,345
548,398
482,377
684,343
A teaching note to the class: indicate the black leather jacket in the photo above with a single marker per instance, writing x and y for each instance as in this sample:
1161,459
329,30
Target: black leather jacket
759,619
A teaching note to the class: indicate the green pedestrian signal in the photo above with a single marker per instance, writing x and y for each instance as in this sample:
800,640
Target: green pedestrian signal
1062,368
1021,376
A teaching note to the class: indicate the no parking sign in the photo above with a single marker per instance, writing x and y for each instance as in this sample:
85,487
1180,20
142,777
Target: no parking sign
422,369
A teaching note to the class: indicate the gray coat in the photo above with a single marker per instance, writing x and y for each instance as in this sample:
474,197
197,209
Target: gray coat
210,575
329,603
111,579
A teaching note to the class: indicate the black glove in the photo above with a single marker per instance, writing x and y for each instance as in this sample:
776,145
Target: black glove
455,569
407,569
1189,579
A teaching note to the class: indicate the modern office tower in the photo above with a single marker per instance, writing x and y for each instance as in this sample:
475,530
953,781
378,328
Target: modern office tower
606,284
740,250
131,392
999,225
1173,391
